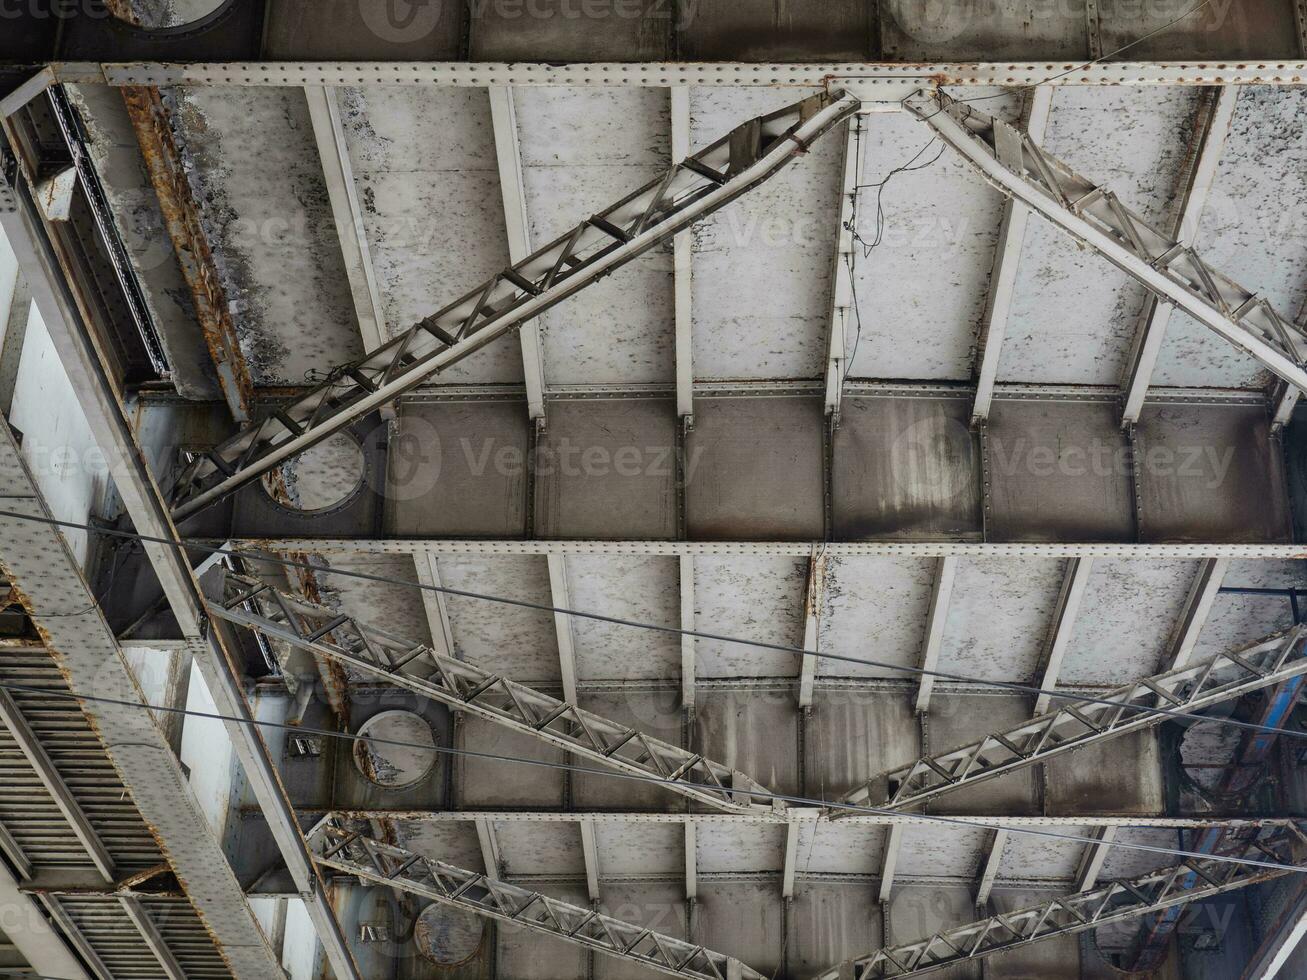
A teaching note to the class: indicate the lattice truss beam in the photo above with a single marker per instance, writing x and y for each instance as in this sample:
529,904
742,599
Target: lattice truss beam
691,189
335,845
1012,161
1190,688
282,616
1190,880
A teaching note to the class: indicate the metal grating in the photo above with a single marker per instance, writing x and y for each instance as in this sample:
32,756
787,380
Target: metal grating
26,807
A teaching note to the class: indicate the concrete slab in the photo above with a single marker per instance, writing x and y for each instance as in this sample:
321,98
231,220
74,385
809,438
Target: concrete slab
998,619
1197,466
654,712
830,923
1058,470
645,590
854,735
265,209
874,608
762,266
754,598
517,642
1122,775
1253,231
583,149
938,227
743,920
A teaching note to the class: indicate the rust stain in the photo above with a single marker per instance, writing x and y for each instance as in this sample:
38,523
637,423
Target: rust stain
181,215
332,672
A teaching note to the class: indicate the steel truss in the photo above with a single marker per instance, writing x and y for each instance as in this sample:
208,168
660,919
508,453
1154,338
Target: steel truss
1009,159
688,191
417,667
335,846
1190,688
1189,881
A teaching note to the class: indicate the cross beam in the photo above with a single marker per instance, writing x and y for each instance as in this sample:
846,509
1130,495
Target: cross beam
1191,880
1191,688
1011,160
598,246
466,687
334,845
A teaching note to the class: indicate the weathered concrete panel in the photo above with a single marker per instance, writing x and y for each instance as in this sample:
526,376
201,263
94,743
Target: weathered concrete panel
959,719
1236,620
1251,230
753,598
492,783
905,467
583,149
1027,856
1056,956
606,464
839,848
937,227
743,920
831,923
656,713
655,905
644,590
1122,775
1057,471
734,848
540,848
427,181
754,469
1249,28
917,911
269,220
459,469
753,731
762,265
874,609
1209,473
854,735
998,618
524,954
762,30
639,849
518,642
1074,316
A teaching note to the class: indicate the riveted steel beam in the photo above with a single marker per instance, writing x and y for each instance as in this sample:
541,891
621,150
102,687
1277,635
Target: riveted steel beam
335,845
689,191
1193,687
1114,901
1014,163
464,686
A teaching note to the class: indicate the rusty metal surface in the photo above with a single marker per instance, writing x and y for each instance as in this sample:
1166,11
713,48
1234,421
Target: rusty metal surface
151,121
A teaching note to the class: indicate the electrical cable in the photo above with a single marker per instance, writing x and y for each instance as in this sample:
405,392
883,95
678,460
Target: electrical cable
1013,686
636,777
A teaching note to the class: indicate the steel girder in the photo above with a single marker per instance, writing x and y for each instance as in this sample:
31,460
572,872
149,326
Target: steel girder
1010,160
1192,879
1190,688
688,191
335,846
464,686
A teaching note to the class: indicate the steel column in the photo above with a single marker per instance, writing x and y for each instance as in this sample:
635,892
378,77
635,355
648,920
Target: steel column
512,188
1064,619
936,618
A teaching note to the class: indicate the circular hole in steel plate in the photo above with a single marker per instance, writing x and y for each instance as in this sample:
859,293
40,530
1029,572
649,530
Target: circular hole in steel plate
395,766
320,478
447,936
